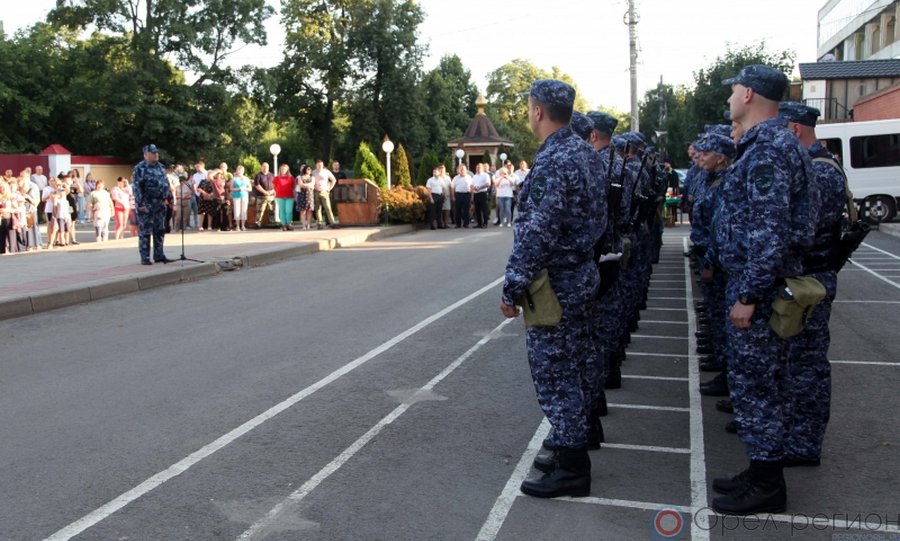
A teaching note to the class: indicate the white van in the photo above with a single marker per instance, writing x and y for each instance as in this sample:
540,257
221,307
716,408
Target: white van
873,169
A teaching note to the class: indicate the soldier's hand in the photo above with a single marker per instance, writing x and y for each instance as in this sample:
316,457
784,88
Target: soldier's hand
741,315
509,310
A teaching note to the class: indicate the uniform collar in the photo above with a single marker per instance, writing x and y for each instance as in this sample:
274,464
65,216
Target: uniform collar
759,131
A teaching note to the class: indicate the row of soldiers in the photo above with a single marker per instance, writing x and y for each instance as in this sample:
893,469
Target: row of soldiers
589,214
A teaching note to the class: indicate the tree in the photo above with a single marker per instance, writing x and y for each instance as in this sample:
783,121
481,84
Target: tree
366,165
403,176
426,166
449,99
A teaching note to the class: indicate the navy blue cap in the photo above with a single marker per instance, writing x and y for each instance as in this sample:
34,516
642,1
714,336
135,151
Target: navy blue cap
765,81
582,125
151,148
721,129
603,122
635,138
619,141
715,142
553,92
799,113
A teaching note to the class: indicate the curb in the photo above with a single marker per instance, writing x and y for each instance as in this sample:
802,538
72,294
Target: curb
64,297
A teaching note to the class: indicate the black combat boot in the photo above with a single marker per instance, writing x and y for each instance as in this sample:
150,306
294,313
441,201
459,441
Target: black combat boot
704,348
546,463
571,477
614,376
725,406
718,386
595,431
602,406
764,491
711,364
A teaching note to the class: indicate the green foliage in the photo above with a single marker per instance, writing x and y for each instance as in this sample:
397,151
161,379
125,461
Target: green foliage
251,166
404,204
401,172
426,166
449,99
366,165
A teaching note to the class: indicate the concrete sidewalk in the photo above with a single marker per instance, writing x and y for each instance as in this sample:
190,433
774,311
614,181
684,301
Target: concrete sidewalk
45,280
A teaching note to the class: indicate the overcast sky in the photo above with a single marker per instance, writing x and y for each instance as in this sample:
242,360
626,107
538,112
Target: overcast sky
584,38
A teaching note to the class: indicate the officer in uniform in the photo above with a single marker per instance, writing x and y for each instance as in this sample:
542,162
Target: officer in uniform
152,195
561,218
809,372
767,219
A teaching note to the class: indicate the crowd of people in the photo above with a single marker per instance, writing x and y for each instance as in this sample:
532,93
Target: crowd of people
37,213
466,199
767,204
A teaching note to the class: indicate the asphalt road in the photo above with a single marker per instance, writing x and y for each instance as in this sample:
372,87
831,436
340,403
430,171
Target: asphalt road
377,393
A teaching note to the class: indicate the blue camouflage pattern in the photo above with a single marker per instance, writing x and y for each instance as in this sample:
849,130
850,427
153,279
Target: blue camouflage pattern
766,219
152,192
581,125
809,372
562,214
553,92
766,81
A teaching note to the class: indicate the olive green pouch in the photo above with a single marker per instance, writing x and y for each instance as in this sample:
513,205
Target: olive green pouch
794,303
540,306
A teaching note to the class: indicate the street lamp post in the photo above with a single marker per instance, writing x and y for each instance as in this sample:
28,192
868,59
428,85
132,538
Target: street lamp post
502,158
275,149
459,156
387,146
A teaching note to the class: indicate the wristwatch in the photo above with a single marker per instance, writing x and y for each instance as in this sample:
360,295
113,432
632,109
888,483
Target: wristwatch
745,298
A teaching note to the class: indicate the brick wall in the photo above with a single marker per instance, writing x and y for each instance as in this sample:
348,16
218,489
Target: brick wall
880,106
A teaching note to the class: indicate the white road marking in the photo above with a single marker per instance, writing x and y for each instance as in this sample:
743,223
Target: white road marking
648,407
648,448
106,510
699,499
666,298
874,273
658,336
258,529
667,322
868,302
656,378
867,245
651,309
870,363
503,504
643,354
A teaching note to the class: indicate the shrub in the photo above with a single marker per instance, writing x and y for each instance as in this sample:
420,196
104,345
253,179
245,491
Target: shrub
251,166
404,204
426,166
402,175
366,165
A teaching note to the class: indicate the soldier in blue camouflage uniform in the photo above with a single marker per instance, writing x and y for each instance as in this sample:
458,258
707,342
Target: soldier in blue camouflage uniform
716,152
767,220
152,194
809,372
561,217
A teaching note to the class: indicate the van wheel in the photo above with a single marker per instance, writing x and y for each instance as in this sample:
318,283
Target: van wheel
880,208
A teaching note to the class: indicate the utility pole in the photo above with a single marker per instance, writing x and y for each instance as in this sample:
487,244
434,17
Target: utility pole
631,19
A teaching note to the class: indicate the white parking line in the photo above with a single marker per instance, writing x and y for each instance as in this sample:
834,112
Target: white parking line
668,322
648,448
504,501
651,309
648,407
699,499
106,510
867,245
666,298
645,354
874,273
659,336
260,529
655,378
871,363
868,302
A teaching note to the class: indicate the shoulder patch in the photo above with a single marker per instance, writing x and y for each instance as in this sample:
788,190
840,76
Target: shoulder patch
763,176
538,189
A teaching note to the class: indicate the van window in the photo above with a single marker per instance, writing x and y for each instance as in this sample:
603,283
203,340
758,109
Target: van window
835,147
875,151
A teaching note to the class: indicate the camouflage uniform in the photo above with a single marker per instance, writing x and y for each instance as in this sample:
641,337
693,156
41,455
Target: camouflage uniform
809,372
151,191
561,216
768,217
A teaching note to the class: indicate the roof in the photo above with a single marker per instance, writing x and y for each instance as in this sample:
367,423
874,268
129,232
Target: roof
852,69
55,149
481,130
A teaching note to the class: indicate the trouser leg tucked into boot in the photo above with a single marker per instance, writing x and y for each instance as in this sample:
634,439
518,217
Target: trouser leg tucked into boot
763,491
571,477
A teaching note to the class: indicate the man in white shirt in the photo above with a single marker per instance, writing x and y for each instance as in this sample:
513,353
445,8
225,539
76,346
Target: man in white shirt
462,190
448,195
435,188
323,181
481,183
198,177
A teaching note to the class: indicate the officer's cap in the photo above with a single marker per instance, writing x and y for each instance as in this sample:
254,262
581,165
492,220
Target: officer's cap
714,142
765,81
799,113
151,148
635,138
553,92
619,141
603,122
582,125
